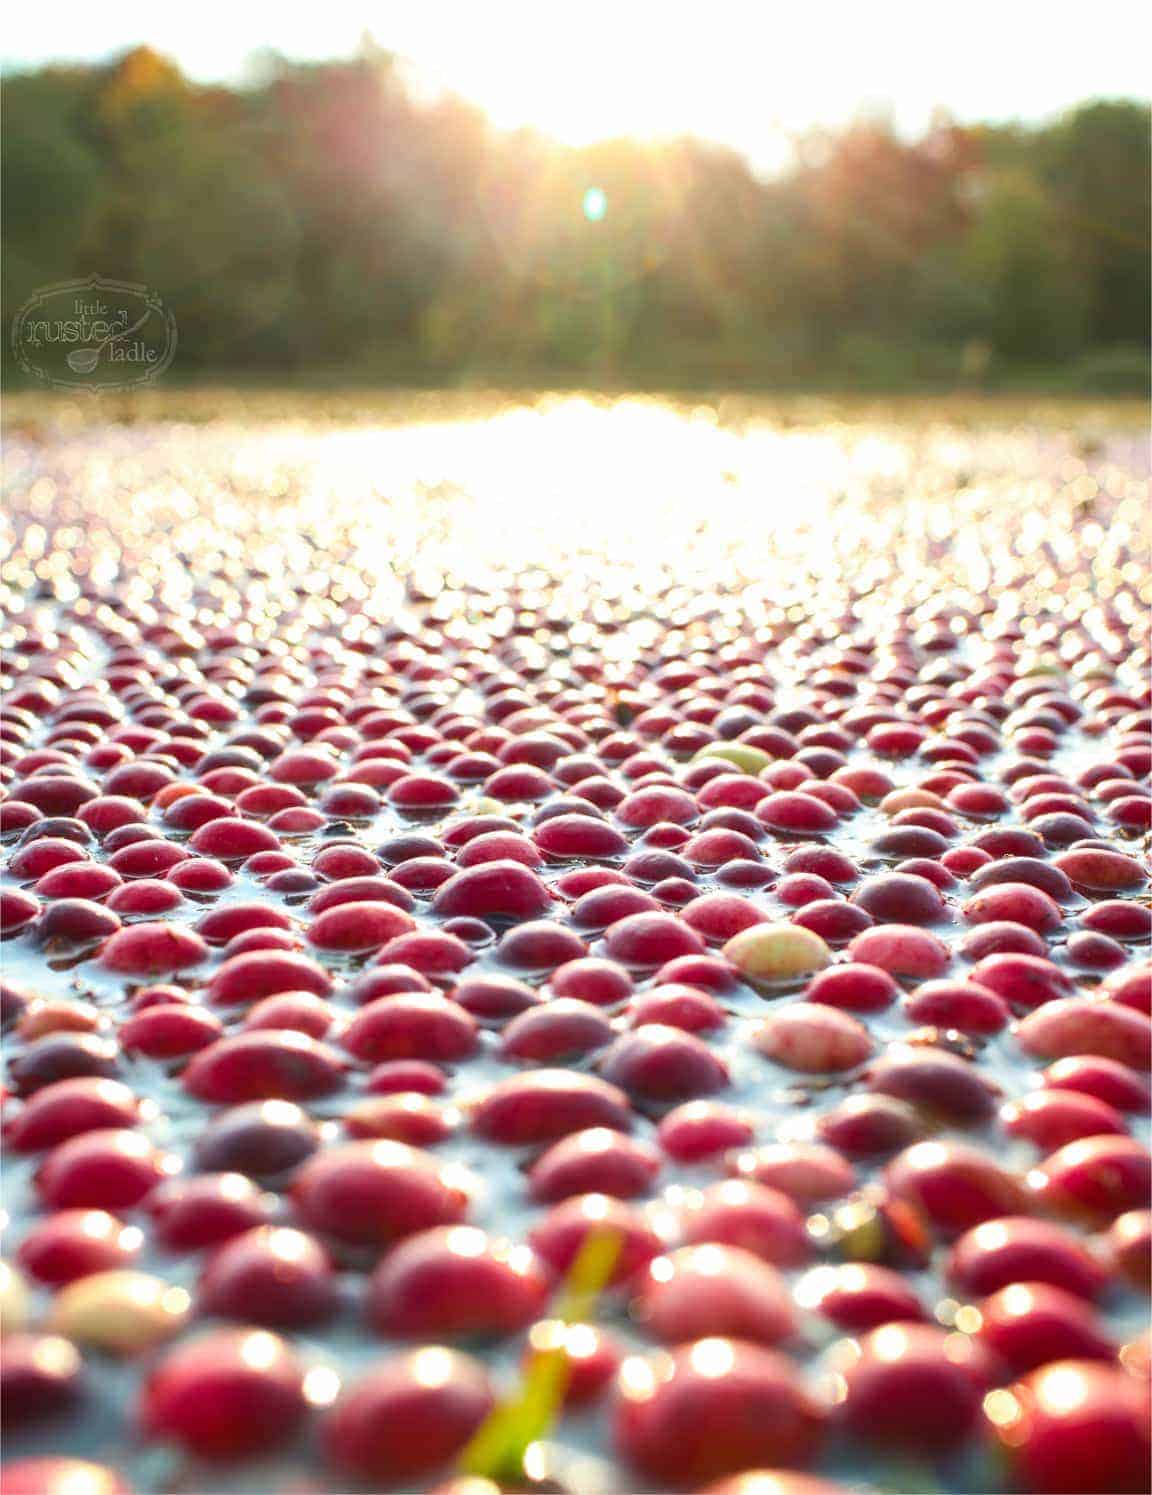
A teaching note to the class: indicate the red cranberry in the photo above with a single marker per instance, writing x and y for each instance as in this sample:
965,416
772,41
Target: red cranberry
69,1107
1074,1427
711,1409
954,1185
262,1139
913,1386
271,1276
407,1416
104,1169
1019,1249
410,1025
227,1395
263,1065
548,1104
373,1193
1031,1323
761,1220
859,1297
191,1213
40,1375
74,1243
454,1281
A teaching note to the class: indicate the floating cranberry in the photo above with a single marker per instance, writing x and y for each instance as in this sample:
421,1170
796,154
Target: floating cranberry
595,1160
548,1104
858,1297
40,1375
227,1395
105,1169
456,1281
1098,1177
60,1476
901,950
1020,1249
1050,1118
263,1139
74,1243
938,1083
560,1235
808,1172
358,926
663,1064
1082,1025
761,1220
1029,1324
714,1289
1074,1427
69,1107
713,1408
812,1037
169,1031
701,1129
191,1213
913,1386
263,1065
855,987
269,1275
374,1193
244,979
408,1416
153,949
589,979
410,1025
502,888
954,1185
870,1126
1104,1079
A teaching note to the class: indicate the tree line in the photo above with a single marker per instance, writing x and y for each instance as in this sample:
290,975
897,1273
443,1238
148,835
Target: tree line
325,220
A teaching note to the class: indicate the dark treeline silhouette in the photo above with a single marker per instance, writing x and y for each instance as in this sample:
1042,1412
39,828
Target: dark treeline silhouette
324,220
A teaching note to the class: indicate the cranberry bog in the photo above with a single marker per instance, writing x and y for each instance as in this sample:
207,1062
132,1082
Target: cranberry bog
575,944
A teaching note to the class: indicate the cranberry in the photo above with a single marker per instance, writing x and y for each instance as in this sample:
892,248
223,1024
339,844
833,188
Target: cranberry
191,1213
860,1297
107,1168
227,1395
546,1105
69,1107
1074,1427
410,1025
913,1386
808,1172
1029,1324
74,1243
761,1220
269,1275
954,1185
456,1281
376,1192
407,1416
40,1375
263,1065
262,1139
1019,1249
713,1408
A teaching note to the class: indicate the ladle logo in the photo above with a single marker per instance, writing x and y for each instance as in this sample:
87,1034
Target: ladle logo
94,334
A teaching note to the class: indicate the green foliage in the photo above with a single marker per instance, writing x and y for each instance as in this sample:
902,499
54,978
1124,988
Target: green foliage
498,1449
324,218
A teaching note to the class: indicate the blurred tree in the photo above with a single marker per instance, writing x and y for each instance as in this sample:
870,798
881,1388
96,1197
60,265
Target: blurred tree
1097,163
325,216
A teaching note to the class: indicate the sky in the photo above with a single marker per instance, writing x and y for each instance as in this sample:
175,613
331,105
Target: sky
747,73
